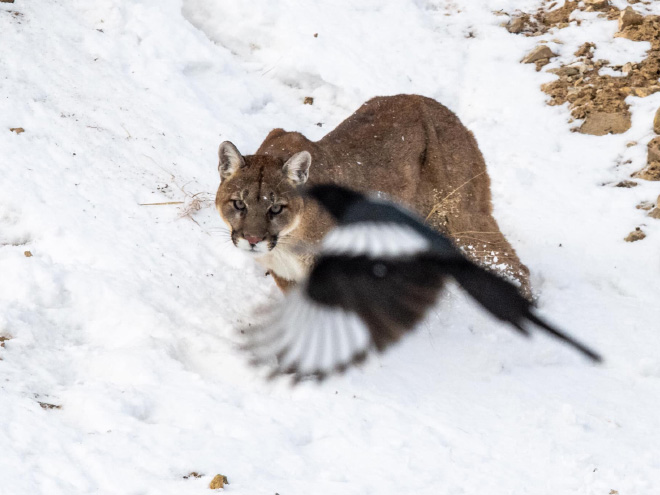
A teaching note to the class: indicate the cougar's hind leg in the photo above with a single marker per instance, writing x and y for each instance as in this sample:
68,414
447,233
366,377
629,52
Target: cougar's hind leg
483,242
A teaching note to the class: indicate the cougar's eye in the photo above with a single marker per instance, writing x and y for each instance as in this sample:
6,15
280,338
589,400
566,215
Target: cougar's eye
239,204
275,209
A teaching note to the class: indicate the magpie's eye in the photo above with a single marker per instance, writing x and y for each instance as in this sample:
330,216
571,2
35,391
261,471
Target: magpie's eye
275,209
239,204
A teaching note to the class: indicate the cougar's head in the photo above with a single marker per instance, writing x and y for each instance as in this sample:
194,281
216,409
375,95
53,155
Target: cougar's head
257,197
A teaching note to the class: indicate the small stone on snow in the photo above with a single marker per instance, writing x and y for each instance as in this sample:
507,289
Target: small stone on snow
538,53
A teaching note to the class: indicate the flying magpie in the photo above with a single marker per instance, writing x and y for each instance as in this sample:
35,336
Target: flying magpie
375,277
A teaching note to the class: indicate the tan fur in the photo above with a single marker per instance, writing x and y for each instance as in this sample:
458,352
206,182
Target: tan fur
408,147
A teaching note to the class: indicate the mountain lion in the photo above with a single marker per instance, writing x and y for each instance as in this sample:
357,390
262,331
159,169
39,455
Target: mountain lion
407,147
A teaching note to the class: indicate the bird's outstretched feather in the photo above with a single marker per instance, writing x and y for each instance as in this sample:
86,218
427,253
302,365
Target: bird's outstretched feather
376,275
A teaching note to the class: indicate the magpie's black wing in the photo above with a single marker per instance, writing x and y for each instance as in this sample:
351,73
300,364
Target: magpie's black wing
390,295
383,213
371,284
501,298
376,276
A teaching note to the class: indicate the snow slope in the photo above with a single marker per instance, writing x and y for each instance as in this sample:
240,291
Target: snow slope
125,313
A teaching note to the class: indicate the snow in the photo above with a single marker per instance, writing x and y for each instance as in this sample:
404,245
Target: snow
126,315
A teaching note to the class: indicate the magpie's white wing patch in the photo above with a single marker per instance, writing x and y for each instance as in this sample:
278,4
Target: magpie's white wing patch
309,339
375,240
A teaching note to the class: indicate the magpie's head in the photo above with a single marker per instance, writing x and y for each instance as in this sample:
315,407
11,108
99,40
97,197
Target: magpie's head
336,199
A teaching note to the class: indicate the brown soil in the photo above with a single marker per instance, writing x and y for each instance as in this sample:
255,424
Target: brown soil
650,172
645,205
626,184
218,481
635,235
598,99
541,21
652,169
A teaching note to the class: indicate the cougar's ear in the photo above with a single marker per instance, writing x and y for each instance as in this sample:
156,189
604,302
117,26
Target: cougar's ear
230,160
296,168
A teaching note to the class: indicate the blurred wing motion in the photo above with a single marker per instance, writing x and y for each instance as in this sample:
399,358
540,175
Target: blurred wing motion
376,276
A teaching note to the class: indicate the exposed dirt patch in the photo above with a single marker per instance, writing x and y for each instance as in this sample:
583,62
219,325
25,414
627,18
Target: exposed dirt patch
541,21
598,99
645,205
626,184
640,28
635,235
650,172
652,169
649,206
218,481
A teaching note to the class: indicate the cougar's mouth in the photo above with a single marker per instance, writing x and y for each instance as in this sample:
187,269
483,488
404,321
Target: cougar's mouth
253,245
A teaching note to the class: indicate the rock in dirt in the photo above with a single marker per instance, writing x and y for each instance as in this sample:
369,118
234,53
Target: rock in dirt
644,91
516,25
655,213
653,150
601,123
635,235
645,205
538,53
566,70
656,122
629,17
650,172
586,50
652,169
597,4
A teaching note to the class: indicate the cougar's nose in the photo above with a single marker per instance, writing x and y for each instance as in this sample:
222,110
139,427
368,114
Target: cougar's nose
253,239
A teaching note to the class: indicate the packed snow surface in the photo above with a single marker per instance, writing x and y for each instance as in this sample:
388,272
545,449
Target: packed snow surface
126,313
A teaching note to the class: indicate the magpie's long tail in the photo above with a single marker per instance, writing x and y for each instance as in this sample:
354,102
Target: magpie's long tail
502,300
